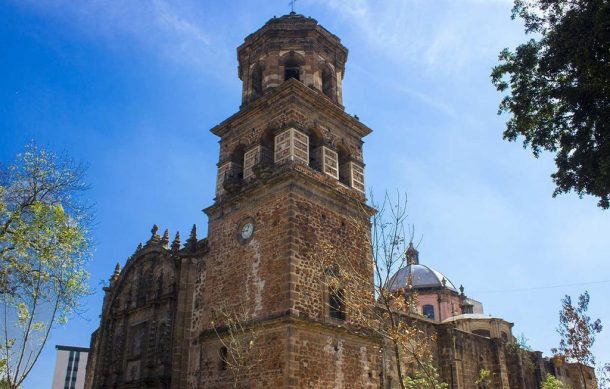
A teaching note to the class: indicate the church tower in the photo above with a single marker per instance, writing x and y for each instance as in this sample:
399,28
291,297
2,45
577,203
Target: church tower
290,187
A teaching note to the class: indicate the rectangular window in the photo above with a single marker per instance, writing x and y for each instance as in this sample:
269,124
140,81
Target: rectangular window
291,145
336,304
428,311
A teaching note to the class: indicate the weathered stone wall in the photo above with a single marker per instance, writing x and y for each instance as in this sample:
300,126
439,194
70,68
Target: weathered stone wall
328,232
133,343
463,355
326,357
266,367
247,275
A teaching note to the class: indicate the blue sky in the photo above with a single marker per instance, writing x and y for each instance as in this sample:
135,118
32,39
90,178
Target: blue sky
133,87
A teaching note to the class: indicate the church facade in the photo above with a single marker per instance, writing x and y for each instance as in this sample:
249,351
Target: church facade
290,178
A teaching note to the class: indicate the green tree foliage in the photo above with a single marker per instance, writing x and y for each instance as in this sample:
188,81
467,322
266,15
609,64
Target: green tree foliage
551,382
484,379
558,86
577,332
44,245
425,377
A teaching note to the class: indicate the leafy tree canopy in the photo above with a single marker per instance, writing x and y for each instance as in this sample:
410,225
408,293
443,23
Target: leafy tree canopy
551,382
44,245
558,86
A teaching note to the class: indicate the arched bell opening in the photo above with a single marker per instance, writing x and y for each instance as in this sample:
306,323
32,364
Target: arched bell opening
256,78
327,82
237,159
344,165
315,149
292,65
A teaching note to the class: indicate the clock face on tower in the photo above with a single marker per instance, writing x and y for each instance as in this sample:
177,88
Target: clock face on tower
245,230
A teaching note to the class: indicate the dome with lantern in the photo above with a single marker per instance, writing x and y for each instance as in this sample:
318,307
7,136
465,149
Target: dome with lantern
422,277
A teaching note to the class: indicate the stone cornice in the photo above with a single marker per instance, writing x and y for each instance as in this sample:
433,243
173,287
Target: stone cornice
283,95
299,173
290,318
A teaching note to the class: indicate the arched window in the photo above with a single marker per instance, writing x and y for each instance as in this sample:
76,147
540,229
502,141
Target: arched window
327,82
336,304
428,311
315,150
292,68
257,80
267,141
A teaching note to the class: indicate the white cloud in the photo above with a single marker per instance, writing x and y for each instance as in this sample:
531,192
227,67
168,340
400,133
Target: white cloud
440,36
425,98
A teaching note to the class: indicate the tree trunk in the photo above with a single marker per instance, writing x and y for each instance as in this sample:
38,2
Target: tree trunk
401,381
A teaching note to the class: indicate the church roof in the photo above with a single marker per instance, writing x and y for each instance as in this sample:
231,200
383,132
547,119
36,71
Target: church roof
285,25
424,277
472,316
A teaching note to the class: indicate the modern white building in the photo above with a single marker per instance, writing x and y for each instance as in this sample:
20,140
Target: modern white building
70,367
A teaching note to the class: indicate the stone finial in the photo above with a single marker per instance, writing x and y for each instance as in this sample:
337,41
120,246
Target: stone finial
116,274
444,282
462,290
165,238
176,243
154,236
191,242
412,255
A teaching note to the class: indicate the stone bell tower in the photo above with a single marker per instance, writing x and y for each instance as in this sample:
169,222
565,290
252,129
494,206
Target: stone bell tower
290,183
304,51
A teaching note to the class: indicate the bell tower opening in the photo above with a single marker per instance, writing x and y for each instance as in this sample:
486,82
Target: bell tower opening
316,141
327,82
292,67
238,162
257,80
344,166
